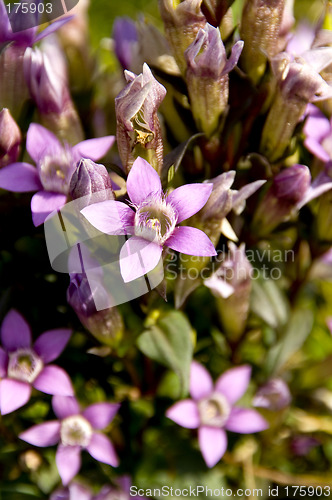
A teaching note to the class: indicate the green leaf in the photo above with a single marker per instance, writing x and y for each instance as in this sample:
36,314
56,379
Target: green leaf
269,302
170,342
297,330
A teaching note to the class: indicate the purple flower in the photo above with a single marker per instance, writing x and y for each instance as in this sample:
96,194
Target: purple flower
274,395
75,430
74,491
301,445
88,179
212,410
125,40
152,220
318,133
23,367
56,163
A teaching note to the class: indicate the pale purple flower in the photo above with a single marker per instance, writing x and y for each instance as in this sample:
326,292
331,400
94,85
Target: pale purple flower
318,134
23,366
125,40
153,220
212,410
56,163
274,395
75,430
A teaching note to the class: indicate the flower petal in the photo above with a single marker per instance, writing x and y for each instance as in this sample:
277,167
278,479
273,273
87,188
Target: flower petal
100,414
40,140
184,413
51,28
13,395
54,380
50,344
20,178
138,257
316,149
245,421
65,406
44,203
110,217
191,241
94,149
234,382
101,448
3,363
189,199
142,181
213,444
15,331
68,462
201,384
46,434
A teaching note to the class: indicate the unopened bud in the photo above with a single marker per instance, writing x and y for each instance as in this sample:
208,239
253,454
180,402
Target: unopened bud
287,191
215,10
10,138
260,25
125,41
207,77
82,294
138,127
274,395
231,285
182,22
88,179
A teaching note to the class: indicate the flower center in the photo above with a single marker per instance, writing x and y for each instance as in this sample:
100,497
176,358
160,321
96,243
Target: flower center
55,171
155,220
24,365
75,431
214,411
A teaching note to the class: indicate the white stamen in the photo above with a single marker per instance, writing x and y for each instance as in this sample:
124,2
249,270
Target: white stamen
75,431
24,365
214,411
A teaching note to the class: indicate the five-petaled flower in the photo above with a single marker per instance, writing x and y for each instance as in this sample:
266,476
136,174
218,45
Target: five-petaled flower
154,222
75,430
56,163
211,409
23,367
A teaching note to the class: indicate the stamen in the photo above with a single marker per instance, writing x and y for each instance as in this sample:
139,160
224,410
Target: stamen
24,365
155,220
75,431
214,411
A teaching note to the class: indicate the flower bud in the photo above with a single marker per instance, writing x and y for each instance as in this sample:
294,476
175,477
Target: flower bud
125,41
231,285
182,22
298,84
46,78
82,294
287,191
301,445
10,138
214,10
138,128
90,178
274,395
207,77
260,25
13,91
